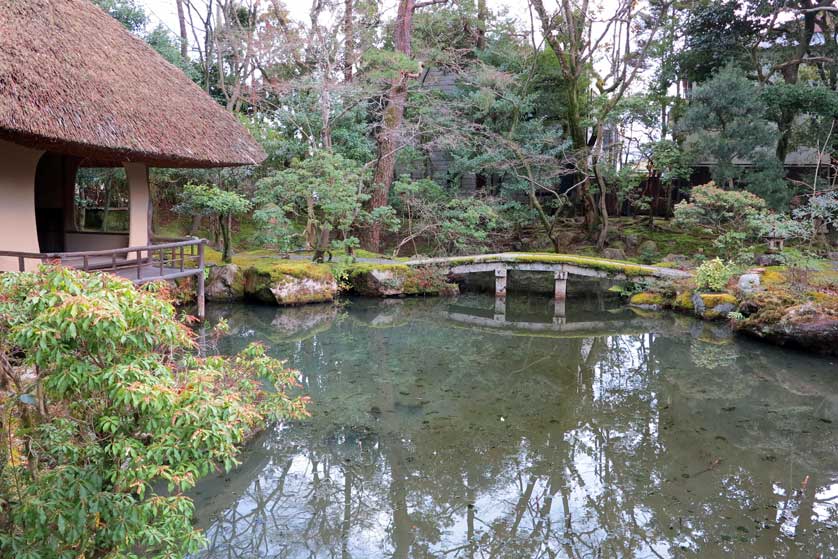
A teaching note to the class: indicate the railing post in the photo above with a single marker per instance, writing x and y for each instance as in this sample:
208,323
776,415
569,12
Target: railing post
181,258
139,264
200,282
160,255
21,264
85,264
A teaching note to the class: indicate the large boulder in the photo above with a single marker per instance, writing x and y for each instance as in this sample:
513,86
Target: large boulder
648,301
748,283
614,253
394,280
807,326
631,242
224,283
712,306
380,282
274,286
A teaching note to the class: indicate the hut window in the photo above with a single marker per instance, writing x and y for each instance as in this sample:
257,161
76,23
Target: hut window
101,200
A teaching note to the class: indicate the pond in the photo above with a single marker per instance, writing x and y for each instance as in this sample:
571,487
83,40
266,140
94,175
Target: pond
462,429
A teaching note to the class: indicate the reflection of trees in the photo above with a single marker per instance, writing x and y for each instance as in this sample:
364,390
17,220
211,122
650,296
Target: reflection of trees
434,441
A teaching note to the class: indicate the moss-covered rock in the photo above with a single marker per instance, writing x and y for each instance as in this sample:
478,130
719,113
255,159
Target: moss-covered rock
712,300
265,276
713,306
808,326
648,301
683,301
394,280
225,283
274,286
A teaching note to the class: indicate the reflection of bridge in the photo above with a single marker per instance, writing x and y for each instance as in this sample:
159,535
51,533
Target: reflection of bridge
499,319
560,265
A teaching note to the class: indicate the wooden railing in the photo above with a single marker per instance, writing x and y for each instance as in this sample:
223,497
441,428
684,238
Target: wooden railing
168,260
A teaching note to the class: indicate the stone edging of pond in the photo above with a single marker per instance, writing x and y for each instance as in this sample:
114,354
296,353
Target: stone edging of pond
760,304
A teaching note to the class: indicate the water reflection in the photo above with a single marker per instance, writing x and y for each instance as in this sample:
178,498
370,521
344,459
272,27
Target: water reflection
438,436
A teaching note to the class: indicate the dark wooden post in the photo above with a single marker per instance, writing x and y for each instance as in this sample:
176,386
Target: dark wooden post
200,282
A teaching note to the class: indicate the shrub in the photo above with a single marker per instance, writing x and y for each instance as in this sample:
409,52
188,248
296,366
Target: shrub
765,224
221,205
648,253
328,192
731,243
109,417
713,275
718,209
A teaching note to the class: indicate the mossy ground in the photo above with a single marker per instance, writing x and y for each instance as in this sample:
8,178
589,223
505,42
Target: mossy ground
668,238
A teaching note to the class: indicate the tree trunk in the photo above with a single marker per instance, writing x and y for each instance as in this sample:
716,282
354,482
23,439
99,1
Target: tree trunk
182,22
603,212
482,16
226,251
195,225
326,113
791,73
596,154
322,243
391,121
348,40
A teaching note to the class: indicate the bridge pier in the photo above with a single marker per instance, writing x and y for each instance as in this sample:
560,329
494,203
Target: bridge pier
559,311
560,293
500,282
500,309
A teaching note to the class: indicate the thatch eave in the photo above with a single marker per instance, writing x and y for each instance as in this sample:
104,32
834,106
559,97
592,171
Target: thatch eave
74,81
96,156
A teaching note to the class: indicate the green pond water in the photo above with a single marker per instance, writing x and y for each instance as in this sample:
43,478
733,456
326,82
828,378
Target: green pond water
458,429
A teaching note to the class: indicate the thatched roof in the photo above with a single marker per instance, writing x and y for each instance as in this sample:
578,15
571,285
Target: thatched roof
74,81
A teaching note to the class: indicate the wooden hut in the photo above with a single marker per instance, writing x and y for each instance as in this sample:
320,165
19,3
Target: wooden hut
76,90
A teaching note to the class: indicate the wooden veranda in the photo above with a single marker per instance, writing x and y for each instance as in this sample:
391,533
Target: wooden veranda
163,260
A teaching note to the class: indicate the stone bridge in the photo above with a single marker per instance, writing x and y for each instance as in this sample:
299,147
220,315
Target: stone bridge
560,265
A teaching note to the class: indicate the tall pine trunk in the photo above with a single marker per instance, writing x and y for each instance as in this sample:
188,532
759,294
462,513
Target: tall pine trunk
182,23
387,138
348,40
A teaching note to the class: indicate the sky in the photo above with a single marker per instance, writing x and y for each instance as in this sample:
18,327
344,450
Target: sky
165,11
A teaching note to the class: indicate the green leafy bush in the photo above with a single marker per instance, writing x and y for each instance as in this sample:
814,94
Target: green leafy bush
109,417
209,200
718,209
328,193
648,253
731,243
765,224
713,275
446,224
